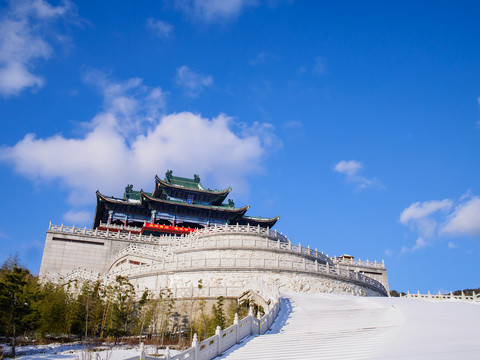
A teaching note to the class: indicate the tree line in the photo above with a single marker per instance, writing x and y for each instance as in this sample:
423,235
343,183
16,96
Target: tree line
75,310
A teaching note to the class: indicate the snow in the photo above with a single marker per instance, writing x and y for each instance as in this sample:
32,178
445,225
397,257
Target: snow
77,351
324,326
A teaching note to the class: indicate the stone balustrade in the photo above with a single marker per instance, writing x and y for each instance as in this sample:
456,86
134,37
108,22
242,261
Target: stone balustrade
246,263
440,296
224,339
359,262
202,238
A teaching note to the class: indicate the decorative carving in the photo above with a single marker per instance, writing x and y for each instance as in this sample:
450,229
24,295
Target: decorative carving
129,189
196,178
169,174
231,203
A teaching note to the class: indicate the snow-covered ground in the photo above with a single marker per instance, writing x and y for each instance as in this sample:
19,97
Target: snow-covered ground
78,351
324,326
321,326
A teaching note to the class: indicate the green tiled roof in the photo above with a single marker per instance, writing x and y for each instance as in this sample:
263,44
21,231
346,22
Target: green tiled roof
186,183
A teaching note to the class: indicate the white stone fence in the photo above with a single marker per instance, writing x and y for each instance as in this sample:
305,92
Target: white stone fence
359,262
246,263
189,243
202,238
225,339
440,296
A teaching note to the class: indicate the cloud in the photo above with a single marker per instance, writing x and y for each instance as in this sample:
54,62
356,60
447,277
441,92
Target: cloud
78,217
435,219
389,252
193,83
452,245
161,29
131,139
419,216
352,169
421,210
213,10
320,67
23,40
292,124
465,219
420,243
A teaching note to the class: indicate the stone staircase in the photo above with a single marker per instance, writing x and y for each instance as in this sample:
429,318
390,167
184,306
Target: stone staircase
321,326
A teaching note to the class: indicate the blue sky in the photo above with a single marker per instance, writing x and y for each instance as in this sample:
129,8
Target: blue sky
357,123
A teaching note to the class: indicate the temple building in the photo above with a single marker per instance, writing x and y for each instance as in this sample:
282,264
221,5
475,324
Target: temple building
176,206
182,233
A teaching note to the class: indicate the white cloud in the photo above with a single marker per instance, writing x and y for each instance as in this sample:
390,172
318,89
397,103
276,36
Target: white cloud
131,140
78,217
213,10
435,219
193,83
465,219
320,67
419,216
419,244
389,252
161,29
22,41
452,245
421,210
352,169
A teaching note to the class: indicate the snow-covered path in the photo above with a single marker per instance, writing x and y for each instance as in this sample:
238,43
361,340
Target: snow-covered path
321,326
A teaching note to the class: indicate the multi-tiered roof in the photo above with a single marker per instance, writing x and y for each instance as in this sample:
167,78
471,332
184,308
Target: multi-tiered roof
175,202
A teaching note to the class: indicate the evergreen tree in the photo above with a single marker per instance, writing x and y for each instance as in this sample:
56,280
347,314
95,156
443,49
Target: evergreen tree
16,297
218,311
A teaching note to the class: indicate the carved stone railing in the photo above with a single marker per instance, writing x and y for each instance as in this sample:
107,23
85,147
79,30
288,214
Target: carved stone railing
363,263
107,234
440,296
189,244
246,263
225,339
204,238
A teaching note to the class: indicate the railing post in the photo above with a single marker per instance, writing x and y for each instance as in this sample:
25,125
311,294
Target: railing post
250,314
196,355
142,352
316,265
218,333
259,317
235,322
167,353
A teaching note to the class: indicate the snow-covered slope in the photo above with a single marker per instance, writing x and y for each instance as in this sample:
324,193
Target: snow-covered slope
321,326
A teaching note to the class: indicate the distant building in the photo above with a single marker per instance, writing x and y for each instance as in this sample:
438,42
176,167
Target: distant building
182,233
